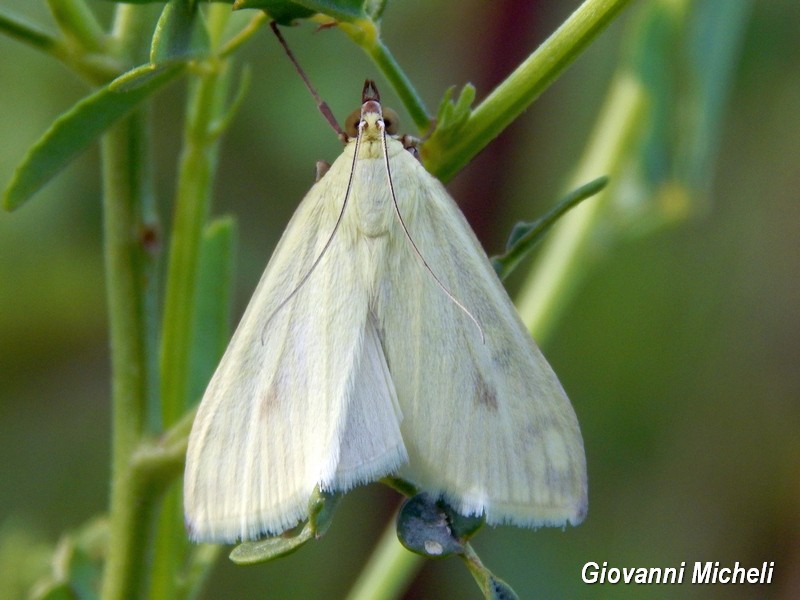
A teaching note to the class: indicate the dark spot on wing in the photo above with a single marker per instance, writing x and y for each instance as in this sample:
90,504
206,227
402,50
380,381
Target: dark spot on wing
485,395
268,403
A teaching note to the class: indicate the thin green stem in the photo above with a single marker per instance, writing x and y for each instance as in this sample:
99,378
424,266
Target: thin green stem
445,154
14,27
78,23
199,565
388,571
402,85
124,151
96,68
197,165
131,33
507,262
365,33
563,256
236,42
193,198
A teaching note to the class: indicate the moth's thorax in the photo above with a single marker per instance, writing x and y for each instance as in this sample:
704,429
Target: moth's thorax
373,208
371,211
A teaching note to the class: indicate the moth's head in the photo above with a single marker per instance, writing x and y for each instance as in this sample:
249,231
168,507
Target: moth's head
371,117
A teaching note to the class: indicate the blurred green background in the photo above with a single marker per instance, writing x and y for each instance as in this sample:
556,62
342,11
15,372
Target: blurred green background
679,350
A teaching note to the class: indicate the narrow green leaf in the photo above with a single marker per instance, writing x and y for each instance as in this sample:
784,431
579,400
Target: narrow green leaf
213,302
180,33
716,35
342,10
74,130
684,57
250,553
286,11
453,116
524,236
321,506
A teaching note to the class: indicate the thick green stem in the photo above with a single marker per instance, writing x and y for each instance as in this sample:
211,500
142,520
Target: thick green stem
129,232
445,155
129,283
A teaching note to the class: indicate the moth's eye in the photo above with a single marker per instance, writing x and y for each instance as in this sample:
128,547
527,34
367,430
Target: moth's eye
351,123
391,120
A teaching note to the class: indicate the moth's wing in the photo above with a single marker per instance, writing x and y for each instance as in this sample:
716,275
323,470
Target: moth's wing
486,423
283,413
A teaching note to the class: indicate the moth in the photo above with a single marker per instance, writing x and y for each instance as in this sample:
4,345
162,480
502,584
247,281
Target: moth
380,341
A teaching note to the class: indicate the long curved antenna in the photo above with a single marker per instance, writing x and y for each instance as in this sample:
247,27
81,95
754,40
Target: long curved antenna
321,104
447,292
327,244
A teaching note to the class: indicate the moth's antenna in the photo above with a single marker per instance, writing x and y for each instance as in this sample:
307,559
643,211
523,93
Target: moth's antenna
327,243
411,240
321,104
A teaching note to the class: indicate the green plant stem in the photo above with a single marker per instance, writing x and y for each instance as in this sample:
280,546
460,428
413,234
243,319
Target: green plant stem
162,460
564,255
198,568
365,33
131,33
411,100
15,27
95,68
388,571
197,164
196,172
128,215
124,152
236,42
507,262
78,23
444,155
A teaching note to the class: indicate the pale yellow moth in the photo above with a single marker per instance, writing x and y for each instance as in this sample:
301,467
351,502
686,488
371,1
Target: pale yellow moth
380,341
